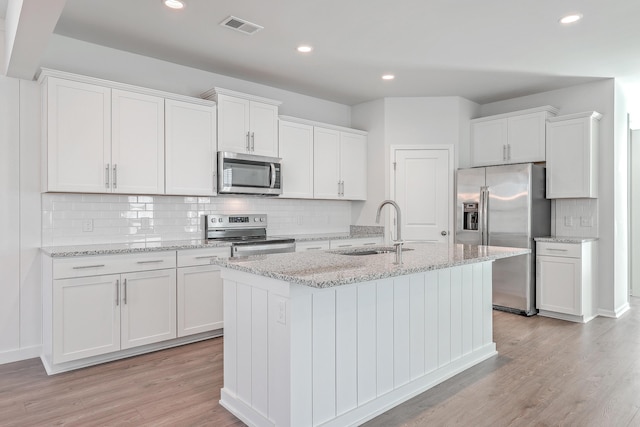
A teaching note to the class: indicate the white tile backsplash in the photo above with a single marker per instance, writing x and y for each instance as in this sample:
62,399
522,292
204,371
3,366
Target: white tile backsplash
576,217
127,219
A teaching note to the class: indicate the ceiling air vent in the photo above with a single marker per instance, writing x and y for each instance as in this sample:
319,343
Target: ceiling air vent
241,25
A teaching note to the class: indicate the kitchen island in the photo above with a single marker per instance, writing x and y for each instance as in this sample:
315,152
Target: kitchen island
335,338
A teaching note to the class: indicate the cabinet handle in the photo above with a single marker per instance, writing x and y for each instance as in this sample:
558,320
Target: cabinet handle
115,176
369,243
557,250
315,248
150,262
106,176
504,152
508,151
117,293
342,194
125,291
215,183
248,143
253,141
338,188
207,257
80,267
344,246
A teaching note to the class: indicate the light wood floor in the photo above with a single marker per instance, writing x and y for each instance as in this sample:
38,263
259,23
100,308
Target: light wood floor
548,373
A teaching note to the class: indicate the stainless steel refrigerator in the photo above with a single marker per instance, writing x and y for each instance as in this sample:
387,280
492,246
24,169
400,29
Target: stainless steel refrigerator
505,206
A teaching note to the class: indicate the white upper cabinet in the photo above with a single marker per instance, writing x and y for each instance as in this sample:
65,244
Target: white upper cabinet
107,137
137,143
190,146
78,132
339,164
572,156
296,151
246,123
517,137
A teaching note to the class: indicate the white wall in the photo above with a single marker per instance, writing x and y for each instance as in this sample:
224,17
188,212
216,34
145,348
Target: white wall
421,121
599,96
635,213
20,305
75,56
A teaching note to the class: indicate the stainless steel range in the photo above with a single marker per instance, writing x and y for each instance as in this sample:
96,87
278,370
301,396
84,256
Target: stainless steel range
248,234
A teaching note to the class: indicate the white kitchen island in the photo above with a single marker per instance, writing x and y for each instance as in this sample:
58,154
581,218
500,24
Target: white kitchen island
328,339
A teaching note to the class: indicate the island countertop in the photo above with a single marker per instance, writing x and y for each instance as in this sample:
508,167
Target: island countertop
333,268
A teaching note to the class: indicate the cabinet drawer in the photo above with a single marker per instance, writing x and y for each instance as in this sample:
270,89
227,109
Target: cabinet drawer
193,257
315,245
350,243
110,264
559,249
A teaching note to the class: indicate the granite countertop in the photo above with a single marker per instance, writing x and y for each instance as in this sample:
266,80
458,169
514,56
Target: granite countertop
557,239
332,268
172,245
130,248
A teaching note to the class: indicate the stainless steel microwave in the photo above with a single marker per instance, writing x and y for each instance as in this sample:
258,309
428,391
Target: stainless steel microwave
249,174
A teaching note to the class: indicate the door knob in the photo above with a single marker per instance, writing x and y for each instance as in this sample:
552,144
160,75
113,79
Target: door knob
444,233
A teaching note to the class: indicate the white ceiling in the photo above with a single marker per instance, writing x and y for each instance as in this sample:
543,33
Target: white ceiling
482,50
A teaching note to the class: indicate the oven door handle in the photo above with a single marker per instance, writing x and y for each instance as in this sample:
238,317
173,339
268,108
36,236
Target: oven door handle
273,175
263,248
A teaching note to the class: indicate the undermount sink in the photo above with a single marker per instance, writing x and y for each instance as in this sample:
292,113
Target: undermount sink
376,251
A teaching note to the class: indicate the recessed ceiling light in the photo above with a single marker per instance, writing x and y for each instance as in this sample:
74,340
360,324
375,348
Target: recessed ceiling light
174,4
569,19
388,77
305,49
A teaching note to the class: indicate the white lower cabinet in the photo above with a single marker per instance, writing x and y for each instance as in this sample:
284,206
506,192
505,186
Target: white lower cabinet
565,274
199,291
101,314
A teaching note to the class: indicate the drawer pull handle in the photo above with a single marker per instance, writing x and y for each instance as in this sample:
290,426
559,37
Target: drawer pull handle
369,243
315,248
151,262
344,246
557,250
207,257
80,267
125,291
117,293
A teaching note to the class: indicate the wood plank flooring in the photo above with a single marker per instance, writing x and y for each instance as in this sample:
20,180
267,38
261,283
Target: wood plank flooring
548,373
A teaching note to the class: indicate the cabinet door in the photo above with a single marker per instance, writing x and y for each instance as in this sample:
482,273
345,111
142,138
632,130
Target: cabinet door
199,300
78,126
571,171
137,144
264,129
190,144
86,317
526,137
233,124
296,151
353,166
488,142
326,163
559,284
148,304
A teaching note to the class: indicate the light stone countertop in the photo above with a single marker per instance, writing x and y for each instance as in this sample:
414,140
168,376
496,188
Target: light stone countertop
324,269
574,240
130,248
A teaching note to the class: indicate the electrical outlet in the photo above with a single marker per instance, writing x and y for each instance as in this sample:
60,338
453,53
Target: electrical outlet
586,221
87,225
568,221
282,312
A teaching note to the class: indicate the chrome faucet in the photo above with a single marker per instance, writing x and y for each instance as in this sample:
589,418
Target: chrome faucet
398,243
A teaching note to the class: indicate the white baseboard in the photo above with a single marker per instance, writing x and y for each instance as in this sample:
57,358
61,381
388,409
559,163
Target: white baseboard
20,354
614,314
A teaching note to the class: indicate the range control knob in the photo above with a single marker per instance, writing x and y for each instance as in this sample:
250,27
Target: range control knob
261,219
219,219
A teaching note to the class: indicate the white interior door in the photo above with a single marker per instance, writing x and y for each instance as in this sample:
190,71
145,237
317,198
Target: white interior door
424,191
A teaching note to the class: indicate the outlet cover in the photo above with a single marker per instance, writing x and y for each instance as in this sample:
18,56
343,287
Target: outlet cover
87,225
568,221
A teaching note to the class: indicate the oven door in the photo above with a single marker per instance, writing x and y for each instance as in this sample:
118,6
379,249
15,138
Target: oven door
248,174
262,248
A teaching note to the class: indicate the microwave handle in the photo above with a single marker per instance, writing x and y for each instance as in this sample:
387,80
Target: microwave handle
273,175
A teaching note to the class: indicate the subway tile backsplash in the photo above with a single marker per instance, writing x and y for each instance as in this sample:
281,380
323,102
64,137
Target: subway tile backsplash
78,219
576,217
